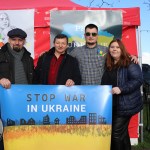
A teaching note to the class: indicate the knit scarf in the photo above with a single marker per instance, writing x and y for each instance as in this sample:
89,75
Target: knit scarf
20,75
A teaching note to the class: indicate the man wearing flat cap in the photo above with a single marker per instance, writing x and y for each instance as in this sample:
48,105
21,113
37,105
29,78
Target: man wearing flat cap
17,33
16,63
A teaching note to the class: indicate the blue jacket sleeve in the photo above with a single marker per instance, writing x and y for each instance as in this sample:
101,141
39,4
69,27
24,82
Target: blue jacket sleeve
133,79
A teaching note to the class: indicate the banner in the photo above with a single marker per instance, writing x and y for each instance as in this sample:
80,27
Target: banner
73,22
45,117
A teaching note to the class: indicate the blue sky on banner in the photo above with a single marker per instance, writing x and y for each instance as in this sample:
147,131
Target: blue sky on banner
144,14
54,102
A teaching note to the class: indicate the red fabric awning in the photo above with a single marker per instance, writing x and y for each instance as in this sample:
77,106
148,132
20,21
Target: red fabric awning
131,16
26,4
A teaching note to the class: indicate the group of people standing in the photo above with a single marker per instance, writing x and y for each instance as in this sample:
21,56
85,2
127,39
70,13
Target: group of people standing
83,65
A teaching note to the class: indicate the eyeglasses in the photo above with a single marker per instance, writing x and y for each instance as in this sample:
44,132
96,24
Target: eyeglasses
88,34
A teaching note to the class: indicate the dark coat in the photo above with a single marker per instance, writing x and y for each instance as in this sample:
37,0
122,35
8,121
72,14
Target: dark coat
68,69
7,65
129,80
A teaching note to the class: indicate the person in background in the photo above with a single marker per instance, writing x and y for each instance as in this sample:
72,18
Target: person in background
126,79
56,67
91,57
16,63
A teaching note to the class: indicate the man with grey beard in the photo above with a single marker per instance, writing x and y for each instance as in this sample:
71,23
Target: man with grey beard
16,63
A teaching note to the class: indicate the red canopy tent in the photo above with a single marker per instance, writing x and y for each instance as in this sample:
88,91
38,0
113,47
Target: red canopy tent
131,21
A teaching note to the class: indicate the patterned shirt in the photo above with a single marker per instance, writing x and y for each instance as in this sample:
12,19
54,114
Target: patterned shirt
91,63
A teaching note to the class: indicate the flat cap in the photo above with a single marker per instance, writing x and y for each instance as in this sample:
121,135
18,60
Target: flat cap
17,33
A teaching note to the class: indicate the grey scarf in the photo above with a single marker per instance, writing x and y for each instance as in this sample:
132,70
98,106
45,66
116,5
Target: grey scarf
20,75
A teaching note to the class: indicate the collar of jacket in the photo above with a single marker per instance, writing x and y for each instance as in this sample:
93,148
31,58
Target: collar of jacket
52,51
5,48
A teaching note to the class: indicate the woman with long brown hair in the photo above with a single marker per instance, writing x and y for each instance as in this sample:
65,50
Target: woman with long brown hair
126,79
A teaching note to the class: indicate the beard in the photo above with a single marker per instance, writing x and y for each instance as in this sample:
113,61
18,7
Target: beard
91,43
16,48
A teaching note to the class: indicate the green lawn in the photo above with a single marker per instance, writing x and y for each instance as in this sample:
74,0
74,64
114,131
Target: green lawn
145,145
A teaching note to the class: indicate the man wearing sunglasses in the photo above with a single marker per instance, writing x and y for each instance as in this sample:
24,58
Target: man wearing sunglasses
91,37
91,57
91,62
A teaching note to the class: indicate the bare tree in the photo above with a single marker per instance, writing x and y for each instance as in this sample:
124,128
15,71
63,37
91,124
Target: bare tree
147,3
101,3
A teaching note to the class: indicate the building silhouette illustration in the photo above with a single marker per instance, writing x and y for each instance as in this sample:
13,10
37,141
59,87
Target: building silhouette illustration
56,121
72,120
46,120
101,120
92,118
10,122
23,122
83,120
31,121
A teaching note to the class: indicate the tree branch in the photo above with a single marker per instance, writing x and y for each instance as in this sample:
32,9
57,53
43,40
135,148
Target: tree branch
100,3
148,4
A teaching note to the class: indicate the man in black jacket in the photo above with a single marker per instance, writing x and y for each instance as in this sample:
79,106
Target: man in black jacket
56,67
16,64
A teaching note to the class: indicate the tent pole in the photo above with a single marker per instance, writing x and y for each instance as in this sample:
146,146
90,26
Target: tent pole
140,63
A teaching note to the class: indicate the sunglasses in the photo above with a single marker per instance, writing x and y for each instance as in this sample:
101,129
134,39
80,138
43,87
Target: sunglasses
88,34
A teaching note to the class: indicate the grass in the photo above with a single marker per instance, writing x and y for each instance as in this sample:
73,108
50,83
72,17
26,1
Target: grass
145,145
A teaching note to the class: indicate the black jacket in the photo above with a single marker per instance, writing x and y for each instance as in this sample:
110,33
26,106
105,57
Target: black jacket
7,65
68,69
129,80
